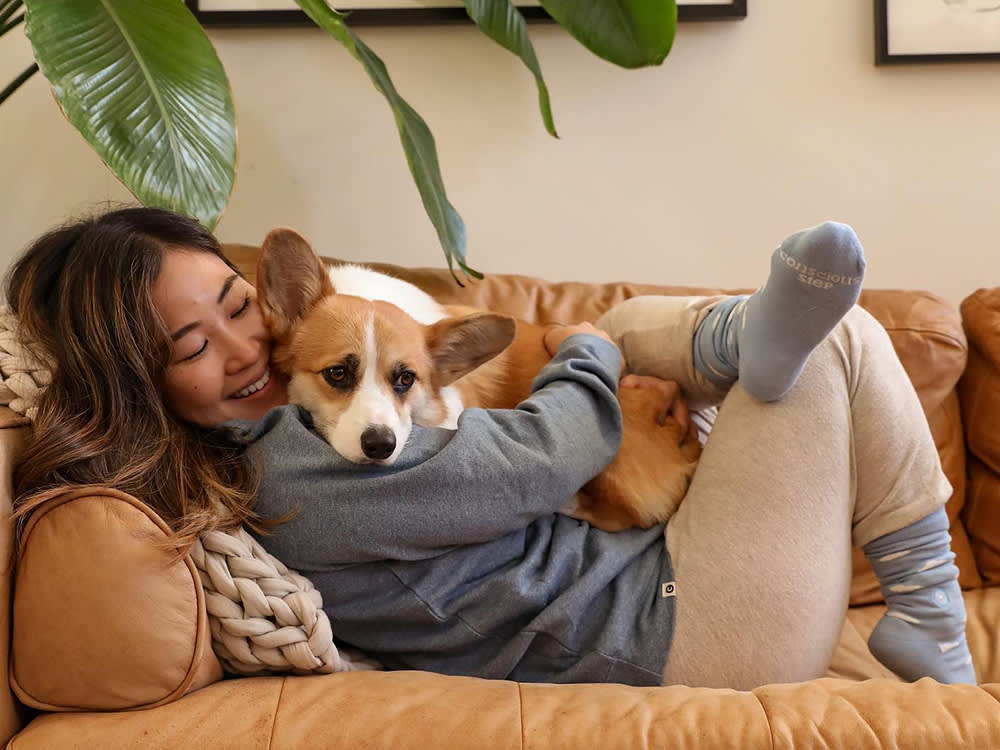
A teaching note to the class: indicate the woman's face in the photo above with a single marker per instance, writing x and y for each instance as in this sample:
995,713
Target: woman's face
220,364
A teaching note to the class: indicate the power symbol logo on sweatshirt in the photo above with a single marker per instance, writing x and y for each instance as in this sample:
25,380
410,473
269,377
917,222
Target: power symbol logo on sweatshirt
668,589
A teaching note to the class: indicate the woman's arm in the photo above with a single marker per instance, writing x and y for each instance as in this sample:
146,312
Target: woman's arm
498,472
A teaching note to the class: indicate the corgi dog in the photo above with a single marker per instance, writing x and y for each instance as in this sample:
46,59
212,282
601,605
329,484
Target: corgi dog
369,356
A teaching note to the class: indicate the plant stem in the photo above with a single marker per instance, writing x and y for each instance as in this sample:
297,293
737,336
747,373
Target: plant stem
17,82
8,9
7,27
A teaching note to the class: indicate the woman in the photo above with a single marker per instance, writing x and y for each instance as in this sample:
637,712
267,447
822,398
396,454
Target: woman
82,294
458,565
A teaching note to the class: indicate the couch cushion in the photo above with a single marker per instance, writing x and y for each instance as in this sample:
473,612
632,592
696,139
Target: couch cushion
979,391
103,618
419,710
926,333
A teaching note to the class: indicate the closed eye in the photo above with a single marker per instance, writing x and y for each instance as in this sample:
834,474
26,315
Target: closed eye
243,308
192,356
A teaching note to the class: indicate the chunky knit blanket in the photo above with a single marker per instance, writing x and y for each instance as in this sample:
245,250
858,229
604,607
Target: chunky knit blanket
264,617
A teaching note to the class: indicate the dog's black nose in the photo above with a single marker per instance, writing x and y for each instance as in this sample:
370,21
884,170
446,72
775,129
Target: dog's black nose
378,442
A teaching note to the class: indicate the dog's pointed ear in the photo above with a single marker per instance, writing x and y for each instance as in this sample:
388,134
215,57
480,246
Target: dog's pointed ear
459,345
290,279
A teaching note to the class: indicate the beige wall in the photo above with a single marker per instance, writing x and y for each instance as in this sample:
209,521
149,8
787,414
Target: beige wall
688,173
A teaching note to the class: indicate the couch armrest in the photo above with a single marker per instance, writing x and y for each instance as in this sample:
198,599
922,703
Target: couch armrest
14,432
104,616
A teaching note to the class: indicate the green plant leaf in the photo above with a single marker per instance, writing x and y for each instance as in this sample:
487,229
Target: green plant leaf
502,22
418,143
630,33
141,82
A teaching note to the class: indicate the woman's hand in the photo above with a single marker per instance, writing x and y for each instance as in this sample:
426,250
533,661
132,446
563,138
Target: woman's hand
674,404
557,334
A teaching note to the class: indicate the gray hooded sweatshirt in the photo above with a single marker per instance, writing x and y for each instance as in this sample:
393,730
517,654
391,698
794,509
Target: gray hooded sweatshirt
454,560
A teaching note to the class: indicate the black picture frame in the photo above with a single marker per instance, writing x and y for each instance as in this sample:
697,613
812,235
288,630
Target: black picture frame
883,44
688,11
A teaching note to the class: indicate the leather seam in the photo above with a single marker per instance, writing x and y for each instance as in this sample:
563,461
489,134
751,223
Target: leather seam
767,719
929,332
520,713
277,707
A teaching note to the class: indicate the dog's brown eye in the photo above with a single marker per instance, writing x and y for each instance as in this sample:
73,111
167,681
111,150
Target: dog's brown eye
404,381
336,375
343,375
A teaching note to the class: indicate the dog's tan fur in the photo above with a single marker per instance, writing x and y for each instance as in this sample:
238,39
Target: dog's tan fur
489,358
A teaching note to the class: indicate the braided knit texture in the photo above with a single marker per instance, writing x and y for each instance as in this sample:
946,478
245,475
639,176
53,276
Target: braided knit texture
23,375
264,617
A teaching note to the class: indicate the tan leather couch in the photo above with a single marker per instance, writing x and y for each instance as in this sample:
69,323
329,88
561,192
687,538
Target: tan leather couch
110,638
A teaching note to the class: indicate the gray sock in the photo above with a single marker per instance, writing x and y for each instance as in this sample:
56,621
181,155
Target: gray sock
923,632
765,339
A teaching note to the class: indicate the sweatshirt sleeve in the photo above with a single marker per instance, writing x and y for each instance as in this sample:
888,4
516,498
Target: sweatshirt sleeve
500,470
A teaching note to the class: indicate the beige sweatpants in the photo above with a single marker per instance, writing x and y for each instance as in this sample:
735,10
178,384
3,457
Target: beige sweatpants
761,544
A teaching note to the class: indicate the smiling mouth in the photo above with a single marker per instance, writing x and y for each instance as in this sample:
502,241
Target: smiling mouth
253,387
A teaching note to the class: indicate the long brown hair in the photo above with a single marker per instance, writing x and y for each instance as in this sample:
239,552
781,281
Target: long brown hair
83,296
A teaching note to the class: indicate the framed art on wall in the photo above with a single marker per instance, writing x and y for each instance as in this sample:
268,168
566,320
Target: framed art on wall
910,31
286,12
